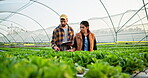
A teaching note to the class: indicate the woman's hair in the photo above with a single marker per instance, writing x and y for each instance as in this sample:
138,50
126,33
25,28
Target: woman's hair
85,23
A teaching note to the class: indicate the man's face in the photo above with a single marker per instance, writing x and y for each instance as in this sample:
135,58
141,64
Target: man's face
64,22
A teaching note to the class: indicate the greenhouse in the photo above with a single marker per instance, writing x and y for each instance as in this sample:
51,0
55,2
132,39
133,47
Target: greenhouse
120,29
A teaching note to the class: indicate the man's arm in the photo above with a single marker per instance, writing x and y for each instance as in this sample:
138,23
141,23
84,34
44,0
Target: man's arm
53,45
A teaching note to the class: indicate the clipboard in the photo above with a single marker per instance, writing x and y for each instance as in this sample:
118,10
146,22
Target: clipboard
65,43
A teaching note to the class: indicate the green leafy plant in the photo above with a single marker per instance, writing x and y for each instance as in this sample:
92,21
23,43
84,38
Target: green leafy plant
104,70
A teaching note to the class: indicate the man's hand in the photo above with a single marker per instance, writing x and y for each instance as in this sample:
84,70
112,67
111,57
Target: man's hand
56,48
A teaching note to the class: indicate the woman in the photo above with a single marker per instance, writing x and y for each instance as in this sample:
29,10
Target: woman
84,40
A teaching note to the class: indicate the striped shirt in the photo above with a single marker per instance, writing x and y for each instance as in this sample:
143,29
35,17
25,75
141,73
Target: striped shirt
58,36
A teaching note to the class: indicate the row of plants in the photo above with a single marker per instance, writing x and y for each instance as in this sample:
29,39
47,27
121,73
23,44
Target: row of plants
19,44
104,62
33,67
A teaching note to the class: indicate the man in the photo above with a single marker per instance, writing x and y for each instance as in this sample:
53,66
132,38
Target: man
61,34
84,40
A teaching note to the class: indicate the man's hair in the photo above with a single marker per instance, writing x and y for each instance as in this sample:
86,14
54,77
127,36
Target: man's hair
85,23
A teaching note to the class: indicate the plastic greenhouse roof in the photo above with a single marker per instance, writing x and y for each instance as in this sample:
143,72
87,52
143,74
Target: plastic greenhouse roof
36,15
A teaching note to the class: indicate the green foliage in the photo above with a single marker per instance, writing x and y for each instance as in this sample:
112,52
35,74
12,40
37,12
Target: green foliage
79,69
104,70
46,63
35,67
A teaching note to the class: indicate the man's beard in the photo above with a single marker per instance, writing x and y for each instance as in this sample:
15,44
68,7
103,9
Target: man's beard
63,25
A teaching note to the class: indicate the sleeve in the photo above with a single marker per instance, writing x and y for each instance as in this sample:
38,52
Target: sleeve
75,43
95,46
53,39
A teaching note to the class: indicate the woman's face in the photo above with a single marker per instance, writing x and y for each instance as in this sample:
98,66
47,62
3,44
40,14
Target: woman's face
83,28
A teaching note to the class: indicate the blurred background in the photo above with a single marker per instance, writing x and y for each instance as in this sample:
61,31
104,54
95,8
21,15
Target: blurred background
31,22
